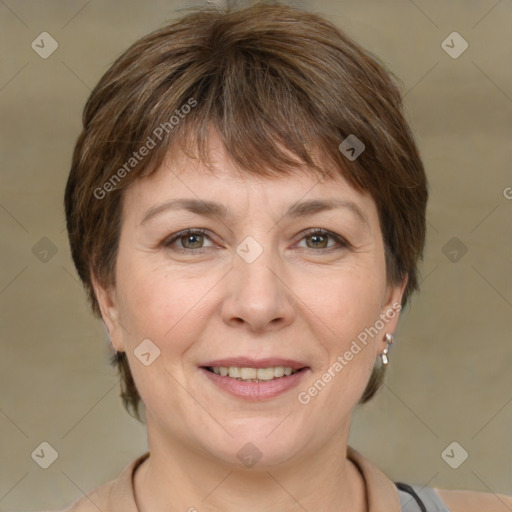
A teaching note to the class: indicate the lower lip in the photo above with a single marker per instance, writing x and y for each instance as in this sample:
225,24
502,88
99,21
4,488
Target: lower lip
256,390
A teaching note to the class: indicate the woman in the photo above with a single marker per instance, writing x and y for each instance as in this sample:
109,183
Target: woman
246,209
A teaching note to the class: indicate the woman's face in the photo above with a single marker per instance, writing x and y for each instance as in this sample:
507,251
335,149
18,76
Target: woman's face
256,287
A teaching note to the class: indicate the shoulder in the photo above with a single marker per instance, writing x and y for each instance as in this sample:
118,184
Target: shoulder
97,499
471,501
118,494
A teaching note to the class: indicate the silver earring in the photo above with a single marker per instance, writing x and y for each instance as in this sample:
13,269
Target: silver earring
384,355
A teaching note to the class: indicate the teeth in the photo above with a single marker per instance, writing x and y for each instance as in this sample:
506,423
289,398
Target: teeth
278,371
254,374
234,372
265,374
245,373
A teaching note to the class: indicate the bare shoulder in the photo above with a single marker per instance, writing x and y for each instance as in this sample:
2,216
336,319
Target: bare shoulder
472,501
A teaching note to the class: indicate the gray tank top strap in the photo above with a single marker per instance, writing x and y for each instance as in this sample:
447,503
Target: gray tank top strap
431,501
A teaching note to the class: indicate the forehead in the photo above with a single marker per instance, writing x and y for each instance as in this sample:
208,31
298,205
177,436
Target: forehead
242,192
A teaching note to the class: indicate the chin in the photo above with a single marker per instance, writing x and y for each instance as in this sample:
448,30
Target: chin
256,449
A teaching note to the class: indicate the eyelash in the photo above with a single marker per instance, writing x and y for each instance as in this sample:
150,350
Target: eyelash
342,243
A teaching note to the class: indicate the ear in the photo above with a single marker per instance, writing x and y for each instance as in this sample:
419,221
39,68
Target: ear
392,305
107,301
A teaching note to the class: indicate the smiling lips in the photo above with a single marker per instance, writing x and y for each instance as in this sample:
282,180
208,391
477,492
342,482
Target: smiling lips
255,389
253,374
247,362
251,370
255,379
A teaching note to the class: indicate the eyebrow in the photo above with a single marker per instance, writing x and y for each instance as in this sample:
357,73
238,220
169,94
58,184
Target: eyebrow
214,209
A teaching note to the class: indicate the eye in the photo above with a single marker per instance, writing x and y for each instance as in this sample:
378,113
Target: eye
193,240
319,239
188,240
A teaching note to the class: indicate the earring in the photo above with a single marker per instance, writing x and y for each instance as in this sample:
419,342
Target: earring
384,355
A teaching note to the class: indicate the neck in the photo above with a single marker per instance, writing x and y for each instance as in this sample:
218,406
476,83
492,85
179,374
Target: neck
178,476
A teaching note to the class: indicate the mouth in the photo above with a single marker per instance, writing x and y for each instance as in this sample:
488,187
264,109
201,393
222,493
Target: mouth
252,370
251,374
254,380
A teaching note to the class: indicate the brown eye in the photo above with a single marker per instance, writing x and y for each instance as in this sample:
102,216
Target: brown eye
191,240
317,241
320,239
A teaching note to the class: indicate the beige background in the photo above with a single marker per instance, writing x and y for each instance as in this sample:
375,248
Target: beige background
450,376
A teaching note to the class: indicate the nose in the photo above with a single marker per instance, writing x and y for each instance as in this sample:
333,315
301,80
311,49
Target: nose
257,296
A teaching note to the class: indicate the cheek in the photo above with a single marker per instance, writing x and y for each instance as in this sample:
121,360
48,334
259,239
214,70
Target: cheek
350,301
350,307
171,311
347,308
161,303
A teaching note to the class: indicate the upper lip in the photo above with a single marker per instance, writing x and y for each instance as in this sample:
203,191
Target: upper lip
247,362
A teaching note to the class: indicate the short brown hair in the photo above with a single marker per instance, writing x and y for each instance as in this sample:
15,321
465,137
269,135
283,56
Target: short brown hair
271,79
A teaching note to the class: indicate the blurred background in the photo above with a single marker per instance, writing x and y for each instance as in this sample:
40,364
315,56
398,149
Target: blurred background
449,379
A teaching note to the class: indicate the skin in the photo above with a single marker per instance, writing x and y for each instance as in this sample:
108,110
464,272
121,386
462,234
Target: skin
304,298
